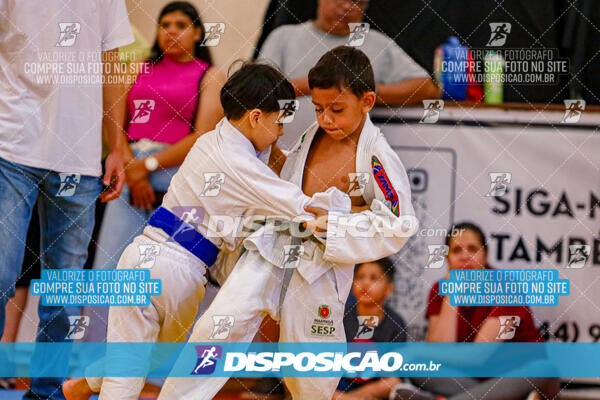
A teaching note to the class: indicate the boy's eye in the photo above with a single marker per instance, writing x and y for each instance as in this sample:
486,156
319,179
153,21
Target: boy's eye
318,110
181,25
337,111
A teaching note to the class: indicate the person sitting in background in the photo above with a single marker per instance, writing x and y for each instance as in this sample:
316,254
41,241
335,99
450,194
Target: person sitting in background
174,99
370,320
296,48
448,323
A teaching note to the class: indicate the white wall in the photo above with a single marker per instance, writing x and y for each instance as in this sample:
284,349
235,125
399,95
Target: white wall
242,18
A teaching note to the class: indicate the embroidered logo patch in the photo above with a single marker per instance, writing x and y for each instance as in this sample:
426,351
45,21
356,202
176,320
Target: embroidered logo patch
385,185
324,311
323,325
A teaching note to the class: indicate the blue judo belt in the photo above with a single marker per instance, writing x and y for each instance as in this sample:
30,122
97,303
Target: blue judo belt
184,234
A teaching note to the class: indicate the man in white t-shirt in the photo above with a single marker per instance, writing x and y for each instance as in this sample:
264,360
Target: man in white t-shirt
297,48
56,78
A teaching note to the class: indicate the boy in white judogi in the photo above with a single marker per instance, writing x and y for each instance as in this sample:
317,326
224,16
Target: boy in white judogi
223,175
308,301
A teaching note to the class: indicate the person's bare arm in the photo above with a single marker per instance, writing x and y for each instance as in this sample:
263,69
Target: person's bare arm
442,327
209,114
113,103
488,331
408,91
141,192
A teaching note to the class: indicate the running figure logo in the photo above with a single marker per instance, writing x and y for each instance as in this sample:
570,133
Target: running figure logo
437,254
68,184
222,326
500,31
578,255
292,255
287,111
499,183
207,359
573,111
366,326
191,217
508,326
148,254
358,33
431,111
212,183
68,33
142,111
213,32
357,183
77,326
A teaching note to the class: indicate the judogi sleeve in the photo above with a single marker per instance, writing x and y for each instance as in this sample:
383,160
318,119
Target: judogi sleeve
386,226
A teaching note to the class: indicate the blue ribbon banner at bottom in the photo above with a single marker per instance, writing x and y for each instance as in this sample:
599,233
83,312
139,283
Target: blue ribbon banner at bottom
300,359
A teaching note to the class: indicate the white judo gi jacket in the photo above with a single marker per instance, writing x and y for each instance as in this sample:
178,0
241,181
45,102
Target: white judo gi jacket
246,186
390,219
323,276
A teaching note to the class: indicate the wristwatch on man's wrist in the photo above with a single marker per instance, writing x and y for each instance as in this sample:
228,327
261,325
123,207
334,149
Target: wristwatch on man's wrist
151,163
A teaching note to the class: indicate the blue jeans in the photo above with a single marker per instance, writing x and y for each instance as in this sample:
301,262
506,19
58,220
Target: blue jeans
66,224
121,223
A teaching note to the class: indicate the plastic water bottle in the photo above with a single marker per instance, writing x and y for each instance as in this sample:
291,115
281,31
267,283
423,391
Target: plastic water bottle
494,71
450,68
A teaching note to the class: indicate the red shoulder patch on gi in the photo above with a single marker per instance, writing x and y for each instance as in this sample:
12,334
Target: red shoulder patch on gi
385,185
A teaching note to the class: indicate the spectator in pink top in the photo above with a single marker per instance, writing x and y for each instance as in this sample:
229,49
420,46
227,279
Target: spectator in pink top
175,99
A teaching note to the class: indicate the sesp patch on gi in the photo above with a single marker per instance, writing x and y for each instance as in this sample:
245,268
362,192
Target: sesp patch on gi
323,325
385,185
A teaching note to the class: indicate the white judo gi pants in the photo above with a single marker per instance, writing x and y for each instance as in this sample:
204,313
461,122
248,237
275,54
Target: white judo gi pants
168,318
250,292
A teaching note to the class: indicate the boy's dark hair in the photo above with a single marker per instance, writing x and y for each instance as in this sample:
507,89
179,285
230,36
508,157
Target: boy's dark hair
343,66
387,267
457,229
252,86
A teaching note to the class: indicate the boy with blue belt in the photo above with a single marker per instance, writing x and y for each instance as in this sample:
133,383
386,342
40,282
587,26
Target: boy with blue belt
223,176
342,150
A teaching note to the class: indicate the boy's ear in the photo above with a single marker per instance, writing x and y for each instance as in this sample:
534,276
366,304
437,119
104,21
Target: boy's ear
368,101
254,117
